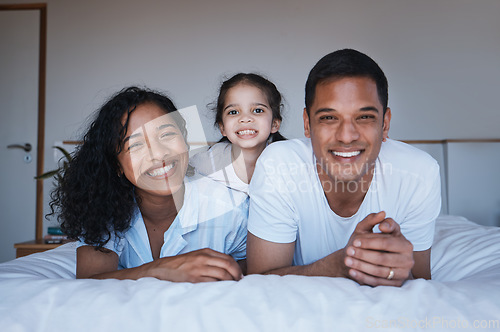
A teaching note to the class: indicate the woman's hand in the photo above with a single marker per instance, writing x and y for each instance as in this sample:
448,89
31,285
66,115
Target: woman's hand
196,266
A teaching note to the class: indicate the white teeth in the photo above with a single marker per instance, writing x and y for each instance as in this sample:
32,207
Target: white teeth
346,154
161,170
246,132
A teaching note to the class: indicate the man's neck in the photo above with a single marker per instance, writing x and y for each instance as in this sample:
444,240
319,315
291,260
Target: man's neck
344,197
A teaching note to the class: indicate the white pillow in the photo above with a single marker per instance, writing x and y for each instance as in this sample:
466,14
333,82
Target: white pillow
463,249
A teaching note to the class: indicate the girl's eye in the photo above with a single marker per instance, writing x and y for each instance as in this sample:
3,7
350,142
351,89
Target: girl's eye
232,112
258,110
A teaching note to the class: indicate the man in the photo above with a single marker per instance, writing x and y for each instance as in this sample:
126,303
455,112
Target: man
346,201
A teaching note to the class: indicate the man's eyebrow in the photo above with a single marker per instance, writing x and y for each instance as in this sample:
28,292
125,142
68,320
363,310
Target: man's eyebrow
131,136
328,110
369,108
324,110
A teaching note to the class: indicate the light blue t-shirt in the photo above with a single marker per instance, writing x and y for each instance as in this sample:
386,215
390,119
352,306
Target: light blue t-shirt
212,216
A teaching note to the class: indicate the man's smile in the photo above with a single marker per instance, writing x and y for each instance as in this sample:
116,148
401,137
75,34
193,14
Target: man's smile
346,154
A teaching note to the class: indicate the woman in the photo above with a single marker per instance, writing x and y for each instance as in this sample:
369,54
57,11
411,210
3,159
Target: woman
126,197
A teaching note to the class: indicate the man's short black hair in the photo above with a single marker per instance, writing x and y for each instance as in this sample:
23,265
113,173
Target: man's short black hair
345,63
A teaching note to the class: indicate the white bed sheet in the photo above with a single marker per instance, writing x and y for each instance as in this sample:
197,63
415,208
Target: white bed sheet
39,293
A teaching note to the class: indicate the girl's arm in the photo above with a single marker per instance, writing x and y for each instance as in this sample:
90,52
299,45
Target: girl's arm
196,266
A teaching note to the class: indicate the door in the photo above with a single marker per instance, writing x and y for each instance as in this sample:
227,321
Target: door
19,44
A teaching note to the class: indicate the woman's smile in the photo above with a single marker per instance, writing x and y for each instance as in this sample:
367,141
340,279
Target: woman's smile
161,171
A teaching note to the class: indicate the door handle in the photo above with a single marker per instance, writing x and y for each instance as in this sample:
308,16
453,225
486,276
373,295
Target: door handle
26,147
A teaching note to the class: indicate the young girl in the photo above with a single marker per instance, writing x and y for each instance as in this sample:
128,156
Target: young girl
126,197
248,114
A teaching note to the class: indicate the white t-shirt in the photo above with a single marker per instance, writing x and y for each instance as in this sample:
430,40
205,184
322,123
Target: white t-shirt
287,201
216,163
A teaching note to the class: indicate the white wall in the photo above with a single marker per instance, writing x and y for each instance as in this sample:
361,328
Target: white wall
474,181
469,179
441,57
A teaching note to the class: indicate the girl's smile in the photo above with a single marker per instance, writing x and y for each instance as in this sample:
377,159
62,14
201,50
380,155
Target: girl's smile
247,133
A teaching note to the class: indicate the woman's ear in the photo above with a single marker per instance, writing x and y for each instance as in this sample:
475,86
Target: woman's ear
119,171
275,126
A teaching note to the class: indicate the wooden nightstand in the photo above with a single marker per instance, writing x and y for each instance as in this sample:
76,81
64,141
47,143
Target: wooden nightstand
31,247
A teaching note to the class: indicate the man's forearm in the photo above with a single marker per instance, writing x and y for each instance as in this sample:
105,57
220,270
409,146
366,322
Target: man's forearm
329,266
304,270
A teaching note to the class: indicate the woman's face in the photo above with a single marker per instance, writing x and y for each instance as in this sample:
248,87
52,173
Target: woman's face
154,157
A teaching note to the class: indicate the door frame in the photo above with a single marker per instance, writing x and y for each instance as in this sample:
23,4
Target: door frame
40,151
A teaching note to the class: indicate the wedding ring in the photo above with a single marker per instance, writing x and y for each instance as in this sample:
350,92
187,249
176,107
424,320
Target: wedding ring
391,274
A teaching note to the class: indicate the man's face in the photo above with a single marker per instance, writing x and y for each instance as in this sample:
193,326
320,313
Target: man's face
346,126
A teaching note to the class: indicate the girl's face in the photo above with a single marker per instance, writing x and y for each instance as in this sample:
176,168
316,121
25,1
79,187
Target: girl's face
154,157
247,118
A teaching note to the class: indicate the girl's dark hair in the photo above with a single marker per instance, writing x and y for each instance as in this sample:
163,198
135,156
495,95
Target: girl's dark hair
92,197
267,87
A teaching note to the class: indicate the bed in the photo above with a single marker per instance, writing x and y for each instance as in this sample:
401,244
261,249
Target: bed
40,293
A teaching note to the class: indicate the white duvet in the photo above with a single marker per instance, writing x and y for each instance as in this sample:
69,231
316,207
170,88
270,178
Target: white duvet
39,293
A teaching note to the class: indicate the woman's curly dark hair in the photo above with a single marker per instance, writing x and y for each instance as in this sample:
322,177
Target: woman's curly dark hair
92,197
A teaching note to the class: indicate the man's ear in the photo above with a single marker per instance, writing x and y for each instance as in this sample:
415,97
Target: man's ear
387,124
275,126
307,125
221,128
